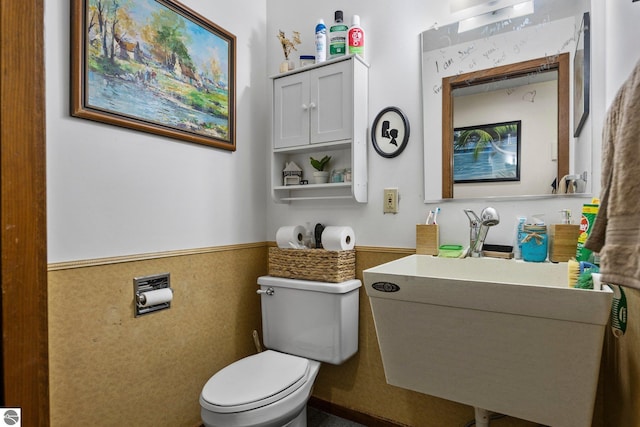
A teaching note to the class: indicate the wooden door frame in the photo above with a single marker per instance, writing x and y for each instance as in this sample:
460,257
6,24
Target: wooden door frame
25,358
559,62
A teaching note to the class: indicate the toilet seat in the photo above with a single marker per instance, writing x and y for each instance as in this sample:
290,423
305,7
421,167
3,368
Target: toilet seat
255,381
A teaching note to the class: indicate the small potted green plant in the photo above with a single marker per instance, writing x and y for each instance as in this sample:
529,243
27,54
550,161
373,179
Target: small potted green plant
320,176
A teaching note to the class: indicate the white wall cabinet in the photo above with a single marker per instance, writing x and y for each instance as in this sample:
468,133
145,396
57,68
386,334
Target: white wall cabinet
321,110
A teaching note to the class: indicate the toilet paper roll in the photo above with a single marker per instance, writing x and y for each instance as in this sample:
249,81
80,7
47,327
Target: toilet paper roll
336,238
290,233
156,297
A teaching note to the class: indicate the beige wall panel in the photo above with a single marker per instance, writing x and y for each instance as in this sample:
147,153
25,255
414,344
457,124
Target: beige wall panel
109,368
622,369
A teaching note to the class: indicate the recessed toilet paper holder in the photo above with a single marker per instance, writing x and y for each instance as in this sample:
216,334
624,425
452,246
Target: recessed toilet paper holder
149,288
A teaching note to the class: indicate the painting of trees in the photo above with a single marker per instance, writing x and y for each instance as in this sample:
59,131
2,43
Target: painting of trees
481,137
160,63
166,37
487,153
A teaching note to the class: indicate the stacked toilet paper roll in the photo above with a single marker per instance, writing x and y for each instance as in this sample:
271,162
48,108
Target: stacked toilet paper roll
338,238
290,236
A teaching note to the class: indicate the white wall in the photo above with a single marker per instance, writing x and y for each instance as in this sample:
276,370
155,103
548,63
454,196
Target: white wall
622,53
393,50
113,191
614,45
101,178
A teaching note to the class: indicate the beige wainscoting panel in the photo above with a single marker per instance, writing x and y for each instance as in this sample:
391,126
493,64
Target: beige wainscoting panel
108,368
621,367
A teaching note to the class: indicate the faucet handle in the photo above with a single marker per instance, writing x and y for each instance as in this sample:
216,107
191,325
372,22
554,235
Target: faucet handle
473,218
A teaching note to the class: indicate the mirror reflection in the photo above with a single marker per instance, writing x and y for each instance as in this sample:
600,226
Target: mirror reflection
535,94
503,73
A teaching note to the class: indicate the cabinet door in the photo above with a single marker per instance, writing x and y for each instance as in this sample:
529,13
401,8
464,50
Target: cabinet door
331,102
291,111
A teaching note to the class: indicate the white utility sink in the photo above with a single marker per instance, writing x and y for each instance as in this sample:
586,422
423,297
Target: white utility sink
503,335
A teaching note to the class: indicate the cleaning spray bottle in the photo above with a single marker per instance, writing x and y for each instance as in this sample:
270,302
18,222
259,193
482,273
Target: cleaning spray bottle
588,218
338,36
321,41
355,37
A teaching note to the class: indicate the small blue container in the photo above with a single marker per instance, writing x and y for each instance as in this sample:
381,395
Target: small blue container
534,243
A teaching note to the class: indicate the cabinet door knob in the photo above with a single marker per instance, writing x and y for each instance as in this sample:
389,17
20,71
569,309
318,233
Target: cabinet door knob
305,107
312,105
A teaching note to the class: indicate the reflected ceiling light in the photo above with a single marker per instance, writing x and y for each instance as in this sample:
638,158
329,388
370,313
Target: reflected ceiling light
458,5
465,8
504,14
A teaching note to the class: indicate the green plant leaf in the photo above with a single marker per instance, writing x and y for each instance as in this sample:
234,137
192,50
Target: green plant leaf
319,164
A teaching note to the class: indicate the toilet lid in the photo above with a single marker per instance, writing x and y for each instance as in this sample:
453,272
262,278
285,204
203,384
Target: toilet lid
255,381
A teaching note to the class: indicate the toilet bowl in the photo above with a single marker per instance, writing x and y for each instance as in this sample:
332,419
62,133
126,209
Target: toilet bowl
268,389
304,323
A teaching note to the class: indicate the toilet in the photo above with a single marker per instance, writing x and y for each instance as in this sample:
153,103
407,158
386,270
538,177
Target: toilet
304,323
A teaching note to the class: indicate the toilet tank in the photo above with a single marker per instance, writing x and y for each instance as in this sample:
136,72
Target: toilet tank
316,320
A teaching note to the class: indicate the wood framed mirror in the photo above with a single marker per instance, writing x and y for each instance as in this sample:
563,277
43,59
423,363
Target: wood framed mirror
558,63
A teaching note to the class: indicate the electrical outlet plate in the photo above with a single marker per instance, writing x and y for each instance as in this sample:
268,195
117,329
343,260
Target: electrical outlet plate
390,200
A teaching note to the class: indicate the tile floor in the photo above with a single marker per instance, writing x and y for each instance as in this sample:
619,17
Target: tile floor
317,418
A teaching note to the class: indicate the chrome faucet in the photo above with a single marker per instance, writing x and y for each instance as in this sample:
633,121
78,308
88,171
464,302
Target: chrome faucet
479,227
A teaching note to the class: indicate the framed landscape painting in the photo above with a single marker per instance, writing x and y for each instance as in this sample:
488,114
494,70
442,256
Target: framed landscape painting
154,66
487,153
